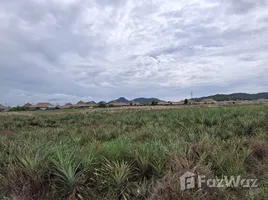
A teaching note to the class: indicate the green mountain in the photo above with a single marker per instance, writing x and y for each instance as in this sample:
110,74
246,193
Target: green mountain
140,100
235,96
93,102
122,100
145,100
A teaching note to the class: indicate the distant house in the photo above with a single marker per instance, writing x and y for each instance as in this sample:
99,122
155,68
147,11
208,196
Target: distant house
82,104
243,102
134,103
174,103
66,106
191,102
163,103
118,104
27,105
227,102
91,104
208,101
43,106
261,101
147,103
3,108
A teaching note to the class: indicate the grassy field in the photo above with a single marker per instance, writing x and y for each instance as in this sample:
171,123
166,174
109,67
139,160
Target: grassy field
132,154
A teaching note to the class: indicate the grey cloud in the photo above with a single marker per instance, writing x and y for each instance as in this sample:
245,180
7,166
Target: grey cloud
60,49
114,3
243,6
249,58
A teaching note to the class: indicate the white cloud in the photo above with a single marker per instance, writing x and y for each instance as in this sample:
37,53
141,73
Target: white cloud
105,49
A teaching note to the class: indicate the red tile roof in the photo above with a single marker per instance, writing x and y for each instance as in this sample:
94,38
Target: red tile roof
117,103
42,105
2,107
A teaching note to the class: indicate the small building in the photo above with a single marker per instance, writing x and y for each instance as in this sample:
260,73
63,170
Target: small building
3,108
261,101
208,101
135,103
227,102
190,102
82,104
27,105
177,103
147,103
163,103
43,106
118,104
66,106
91,104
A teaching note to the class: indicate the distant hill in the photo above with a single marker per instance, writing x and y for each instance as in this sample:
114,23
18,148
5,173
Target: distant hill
101,102
235,96
140,100
145,100
93,102
122,100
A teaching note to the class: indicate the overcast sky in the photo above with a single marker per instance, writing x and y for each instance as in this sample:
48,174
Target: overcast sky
66,50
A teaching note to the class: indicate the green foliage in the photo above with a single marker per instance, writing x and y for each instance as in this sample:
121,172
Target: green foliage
18,108
116,175
118,149
66,173
127,154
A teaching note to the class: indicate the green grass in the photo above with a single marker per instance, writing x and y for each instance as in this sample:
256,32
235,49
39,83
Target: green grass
132,154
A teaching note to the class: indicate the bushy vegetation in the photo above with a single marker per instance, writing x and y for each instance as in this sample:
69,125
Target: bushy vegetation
18,108
133,154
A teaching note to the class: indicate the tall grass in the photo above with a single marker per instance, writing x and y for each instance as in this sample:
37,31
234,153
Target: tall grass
132,154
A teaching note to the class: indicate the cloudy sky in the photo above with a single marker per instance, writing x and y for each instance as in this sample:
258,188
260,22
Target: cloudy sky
66,50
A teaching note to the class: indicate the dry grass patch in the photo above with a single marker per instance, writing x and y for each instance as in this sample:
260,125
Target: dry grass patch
169,186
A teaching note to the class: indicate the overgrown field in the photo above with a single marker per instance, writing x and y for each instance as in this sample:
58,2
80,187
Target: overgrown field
133,154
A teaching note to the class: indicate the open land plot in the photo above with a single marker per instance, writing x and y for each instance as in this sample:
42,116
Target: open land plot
106,109
133,154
